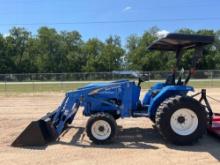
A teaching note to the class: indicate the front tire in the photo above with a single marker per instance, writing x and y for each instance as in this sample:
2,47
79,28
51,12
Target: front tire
101,128
181,120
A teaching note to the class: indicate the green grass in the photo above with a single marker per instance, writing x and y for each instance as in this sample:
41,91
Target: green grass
63,87
195,84
31,88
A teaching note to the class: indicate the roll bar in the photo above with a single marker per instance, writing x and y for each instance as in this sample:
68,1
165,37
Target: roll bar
178,43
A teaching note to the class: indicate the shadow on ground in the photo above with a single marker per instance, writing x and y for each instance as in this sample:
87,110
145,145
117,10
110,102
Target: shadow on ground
126,138
144,138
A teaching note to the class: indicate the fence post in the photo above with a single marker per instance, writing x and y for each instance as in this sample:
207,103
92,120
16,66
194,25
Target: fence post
62,82
5,84
212,78
32,80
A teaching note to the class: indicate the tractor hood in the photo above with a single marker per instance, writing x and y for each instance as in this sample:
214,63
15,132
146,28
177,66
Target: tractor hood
102,84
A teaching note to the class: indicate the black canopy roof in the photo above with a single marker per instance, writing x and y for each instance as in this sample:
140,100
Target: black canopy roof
177,41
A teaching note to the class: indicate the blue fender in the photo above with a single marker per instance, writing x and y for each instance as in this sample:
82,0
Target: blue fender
166,92
148,95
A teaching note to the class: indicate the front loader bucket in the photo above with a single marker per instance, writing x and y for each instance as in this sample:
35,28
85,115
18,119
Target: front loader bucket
37,133
49,127
214,129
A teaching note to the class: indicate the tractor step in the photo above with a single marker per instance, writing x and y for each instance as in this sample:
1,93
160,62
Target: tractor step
140,114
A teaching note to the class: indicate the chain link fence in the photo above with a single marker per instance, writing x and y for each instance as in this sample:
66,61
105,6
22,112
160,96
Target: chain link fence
45,82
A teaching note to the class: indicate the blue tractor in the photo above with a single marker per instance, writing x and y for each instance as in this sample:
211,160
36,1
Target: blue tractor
179,118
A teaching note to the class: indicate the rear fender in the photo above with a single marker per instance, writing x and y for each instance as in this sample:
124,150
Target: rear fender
166,92
148,95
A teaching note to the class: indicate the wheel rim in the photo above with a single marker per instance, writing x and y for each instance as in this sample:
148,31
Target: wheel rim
101,129
184,122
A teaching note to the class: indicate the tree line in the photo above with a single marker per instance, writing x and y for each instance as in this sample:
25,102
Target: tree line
50,51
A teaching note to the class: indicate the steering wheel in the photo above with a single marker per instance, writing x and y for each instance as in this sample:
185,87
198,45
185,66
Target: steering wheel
143,78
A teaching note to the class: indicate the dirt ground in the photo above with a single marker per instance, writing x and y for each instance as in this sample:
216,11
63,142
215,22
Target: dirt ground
137,141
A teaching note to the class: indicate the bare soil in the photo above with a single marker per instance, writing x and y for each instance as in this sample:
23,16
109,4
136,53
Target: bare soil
137,141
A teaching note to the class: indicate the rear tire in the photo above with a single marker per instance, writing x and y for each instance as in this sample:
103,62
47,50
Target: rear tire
101,128
181,120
